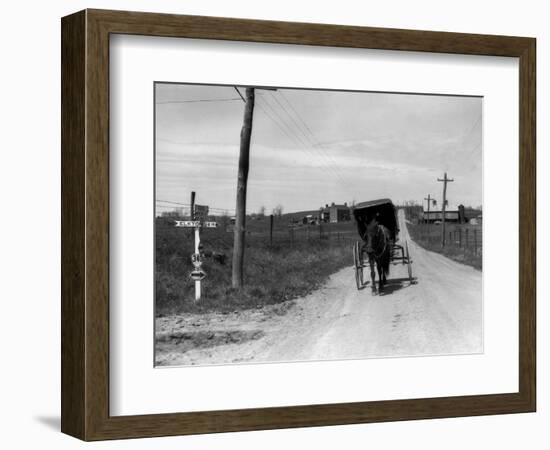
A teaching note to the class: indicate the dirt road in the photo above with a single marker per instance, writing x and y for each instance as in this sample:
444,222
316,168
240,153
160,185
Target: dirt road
440,314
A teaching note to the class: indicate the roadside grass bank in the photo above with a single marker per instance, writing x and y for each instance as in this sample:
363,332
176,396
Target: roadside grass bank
464,243
272,273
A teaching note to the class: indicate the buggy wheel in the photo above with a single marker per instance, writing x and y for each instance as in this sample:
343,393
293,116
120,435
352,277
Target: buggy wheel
408,259
358,265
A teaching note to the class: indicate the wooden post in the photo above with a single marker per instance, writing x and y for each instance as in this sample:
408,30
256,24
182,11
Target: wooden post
467,240
242,179
429,199
445,180
475,242
460,237
197,244
271,229
192,209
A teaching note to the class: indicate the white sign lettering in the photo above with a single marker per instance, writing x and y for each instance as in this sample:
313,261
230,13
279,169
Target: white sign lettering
195,224
188,223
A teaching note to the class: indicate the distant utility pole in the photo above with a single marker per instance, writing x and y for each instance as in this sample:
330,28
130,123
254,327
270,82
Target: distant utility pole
240,210
445,180
429,199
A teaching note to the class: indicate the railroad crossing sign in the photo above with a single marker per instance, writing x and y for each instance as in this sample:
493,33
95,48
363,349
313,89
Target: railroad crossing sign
197,275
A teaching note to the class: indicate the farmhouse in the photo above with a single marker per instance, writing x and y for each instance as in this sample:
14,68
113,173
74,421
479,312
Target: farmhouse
335,213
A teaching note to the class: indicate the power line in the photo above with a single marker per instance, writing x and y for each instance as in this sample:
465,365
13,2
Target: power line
307,146
189,205
311,140
315,141
291,134
297,138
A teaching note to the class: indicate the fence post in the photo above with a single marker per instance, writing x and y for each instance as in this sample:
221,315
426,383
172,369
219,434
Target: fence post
271,229
460,237
467,240
475,242
450,237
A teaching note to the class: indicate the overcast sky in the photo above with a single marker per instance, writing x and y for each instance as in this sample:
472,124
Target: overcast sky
312,147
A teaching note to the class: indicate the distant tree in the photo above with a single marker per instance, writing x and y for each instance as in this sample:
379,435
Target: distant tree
224,220
261,211
278,210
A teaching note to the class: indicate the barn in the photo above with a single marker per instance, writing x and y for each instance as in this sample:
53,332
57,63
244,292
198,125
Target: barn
452,214
335,213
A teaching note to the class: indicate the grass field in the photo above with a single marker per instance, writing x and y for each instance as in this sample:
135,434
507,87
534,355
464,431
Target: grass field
292,267
464,243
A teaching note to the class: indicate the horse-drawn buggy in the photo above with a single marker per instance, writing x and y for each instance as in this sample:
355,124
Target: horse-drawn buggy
379,247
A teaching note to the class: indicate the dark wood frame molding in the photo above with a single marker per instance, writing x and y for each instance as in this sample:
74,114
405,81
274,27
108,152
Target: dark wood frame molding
85,224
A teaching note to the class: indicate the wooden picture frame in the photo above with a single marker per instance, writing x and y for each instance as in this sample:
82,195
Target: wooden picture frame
85,224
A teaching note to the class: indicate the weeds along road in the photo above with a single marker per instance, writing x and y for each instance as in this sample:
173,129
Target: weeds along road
440,314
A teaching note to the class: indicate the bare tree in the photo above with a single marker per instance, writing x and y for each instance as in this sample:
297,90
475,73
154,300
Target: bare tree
261,211
278,210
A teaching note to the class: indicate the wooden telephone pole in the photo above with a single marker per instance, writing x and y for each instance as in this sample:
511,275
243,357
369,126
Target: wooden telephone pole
240,210
429,199
445,180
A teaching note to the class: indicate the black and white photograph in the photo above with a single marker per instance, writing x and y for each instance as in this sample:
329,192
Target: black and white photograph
295,224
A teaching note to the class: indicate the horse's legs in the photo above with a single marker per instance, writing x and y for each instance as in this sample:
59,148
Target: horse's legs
372,274
381,276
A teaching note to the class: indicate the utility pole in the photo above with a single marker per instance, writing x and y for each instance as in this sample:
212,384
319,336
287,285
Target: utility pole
242,179
429,199
271,229
445,180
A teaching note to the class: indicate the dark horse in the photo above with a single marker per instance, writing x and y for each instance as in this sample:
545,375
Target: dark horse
378,245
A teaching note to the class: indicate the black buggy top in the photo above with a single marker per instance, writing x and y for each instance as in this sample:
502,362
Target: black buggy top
384,212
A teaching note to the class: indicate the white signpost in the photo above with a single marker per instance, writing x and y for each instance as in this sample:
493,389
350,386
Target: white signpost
197,273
